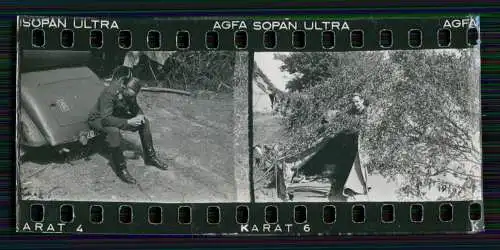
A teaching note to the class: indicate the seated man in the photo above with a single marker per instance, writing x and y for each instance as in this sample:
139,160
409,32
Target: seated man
117,109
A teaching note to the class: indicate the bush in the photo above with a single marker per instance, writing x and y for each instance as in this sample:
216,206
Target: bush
212,71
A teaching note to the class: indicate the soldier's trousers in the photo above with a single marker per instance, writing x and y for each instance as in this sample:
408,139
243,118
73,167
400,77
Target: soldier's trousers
113,136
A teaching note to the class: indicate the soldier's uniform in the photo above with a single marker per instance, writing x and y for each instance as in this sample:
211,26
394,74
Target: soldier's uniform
110,115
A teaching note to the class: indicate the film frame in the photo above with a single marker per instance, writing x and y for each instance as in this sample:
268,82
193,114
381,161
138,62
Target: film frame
230,218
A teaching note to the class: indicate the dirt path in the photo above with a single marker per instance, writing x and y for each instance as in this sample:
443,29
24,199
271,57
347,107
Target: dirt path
195,135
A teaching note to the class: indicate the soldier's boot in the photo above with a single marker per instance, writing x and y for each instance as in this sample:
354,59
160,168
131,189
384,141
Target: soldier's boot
118,161
150,157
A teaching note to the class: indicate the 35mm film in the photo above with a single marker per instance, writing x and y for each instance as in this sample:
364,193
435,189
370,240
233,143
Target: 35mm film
241,126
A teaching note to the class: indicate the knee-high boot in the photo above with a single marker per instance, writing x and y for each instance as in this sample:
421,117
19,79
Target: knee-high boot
150,157
118,160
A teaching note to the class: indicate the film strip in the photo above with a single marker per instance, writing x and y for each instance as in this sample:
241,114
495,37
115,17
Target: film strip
242,126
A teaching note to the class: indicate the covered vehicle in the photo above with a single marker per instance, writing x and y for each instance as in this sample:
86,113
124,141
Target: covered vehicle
57,89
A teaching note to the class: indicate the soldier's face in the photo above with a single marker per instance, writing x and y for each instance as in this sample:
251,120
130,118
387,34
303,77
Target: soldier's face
330,115
131,88
358,103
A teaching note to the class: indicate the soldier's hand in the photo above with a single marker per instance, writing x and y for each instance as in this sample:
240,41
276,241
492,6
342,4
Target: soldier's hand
135,122
141,118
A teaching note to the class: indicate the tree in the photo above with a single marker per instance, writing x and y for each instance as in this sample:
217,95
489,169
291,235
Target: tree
313,68
424,113
430,127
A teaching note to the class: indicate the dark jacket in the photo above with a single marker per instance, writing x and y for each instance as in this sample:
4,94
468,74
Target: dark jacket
113,108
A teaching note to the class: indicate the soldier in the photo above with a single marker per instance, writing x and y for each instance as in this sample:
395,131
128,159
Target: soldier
117,109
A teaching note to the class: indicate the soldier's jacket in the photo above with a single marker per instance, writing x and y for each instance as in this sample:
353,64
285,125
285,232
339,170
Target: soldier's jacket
113,108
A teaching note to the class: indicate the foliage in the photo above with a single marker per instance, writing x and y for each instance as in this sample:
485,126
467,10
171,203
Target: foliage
423,115
185,70
198,70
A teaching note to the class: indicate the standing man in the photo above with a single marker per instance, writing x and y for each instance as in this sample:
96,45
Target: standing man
348,176
117,109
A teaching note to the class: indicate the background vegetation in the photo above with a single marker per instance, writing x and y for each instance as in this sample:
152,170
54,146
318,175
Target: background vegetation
424,113
196,70
190,70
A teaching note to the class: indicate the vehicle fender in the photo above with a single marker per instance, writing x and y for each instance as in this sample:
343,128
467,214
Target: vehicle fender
29,133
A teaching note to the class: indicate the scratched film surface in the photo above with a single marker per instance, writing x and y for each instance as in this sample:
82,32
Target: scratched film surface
196,104
367,126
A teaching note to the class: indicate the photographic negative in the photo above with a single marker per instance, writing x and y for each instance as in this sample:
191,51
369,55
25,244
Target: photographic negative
132,126
400,125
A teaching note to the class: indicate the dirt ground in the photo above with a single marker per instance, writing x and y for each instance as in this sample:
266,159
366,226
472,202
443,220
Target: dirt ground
194,135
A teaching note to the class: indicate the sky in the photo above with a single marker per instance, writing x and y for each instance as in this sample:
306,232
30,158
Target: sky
270,67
